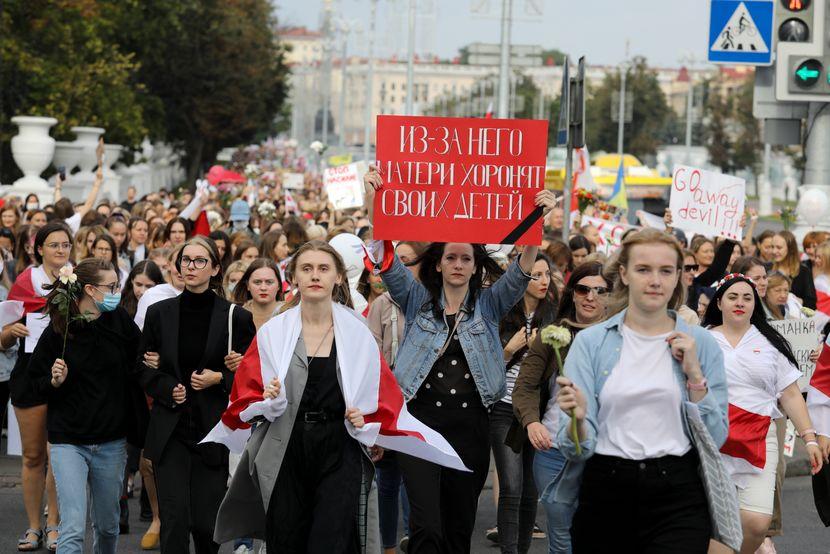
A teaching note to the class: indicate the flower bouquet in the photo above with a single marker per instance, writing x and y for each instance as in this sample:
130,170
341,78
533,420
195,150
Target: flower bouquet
65,296
558,337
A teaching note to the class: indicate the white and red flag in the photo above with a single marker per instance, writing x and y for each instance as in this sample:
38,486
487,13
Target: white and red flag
818,393
489,114
365,379
756,373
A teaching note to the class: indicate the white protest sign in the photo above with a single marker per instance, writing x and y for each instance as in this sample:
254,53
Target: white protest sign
650,220
294,181
804,335
344,185
707,203
610,232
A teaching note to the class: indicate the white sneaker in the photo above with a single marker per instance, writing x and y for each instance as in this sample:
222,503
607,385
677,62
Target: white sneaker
243,550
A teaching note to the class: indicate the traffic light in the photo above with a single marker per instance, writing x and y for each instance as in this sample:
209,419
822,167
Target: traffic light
802,54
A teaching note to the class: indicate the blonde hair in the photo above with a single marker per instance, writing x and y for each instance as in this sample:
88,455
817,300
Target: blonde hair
776,279
619,295
234,267
823,250
341,293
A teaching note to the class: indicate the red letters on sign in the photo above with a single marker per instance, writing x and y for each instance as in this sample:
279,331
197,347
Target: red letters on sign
458,179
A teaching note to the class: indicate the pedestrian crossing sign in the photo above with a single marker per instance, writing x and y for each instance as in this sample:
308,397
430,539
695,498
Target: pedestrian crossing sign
740,32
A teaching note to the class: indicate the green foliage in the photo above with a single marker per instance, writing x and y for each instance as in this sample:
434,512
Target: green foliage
57,60
733,135
642,135
748,145
718,140
203,74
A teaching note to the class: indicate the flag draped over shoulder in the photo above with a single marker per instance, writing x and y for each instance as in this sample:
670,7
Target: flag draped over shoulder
28,288
366,381
818,393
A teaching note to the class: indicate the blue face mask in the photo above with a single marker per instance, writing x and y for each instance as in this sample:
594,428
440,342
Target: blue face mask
109,303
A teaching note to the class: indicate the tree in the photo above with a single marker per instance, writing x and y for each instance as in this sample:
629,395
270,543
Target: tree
216,67
747,145
650,111
718,141
57,61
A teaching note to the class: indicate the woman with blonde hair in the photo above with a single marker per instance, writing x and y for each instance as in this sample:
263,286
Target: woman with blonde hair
627,381
787,260
233,274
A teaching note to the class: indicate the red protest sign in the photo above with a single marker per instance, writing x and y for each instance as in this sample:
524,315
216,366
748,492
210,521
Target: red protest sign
450,179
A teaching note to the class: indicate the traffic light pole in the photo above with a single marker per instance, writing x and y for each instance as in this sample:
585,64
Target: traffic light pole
817,150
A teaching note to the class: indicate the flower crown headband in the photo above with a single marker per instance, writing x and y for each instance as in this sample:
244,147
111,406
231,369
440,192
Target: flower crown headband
731,276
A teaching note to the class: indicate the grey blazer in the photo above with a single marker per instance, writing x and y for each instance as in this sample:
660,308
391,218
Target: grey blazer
244,508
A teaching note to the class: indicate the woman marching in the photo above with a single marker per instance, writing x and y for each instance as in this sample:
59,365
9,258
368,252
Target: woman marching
514,462
190,390
534,398
84,365
450,368
316,384
761,371
626,383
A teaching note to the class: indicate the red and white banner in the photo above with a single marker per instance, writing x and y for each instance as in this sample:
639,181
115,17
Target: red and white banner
610,232
460,179
366,381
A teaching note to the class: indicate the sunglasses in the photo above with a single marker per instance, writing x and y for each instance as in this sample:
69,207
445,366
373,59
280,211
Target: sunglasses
585,290
691,267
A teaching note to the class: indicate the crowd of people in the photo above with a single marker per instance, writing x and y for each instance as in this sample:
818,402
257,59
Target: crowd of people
176,314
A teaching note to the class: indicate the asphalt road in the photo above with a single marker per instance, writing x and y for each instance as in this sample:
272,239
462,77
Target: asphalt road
804,533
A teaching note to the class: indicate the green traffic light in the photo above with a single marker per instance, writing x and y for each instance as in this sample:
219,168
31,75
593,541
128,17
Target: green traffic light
808,73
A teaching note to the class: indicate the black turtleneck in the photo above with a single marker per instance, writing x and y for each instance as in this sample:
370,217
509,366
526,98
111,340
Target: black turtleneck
194,321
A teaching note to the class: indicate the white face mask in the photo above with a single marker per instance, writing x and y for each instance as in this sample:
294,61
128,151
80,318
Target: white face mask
32,206
240,225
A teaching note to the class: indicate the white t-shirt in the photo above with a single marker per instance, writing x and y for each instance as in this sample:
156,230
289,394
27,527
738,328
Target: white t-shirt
639,407
73,222
150,297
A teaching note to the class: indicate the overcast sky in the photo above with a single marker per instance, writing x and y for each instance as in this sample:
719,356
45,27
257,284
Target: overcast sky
660,30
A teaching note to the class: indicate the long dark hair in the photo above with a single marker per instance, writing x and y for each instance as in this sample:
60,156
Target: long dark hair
87,272
567,308
145,267
241,294
169,227
543,314
44,232
433,281
228,257
215,283
714,317
113,248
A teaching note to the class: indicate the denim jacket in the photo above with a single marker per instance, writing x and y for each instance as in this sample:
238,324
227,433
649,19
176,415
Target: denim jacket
478,330
591,358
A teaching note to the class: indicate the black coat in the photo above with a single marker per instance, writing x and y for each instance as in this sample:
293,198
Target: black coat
161,333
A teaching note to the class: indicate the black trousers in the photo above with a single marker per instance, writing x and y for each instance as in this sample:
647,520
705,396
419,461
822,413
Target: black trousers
313,508
189,494
442,501
643,507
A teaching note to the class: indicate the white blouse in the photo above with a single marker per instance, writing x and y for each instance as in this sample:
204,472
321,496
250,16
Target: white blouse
756,372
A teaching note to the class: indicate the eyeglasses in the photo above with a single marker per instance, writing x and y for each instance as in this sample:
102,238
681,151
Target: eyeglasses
59,245
585,290
691,267
198,263
113,288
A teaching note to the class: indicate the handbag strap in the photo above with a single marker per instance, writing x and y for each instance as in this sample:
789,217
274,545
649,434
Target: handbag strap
230,328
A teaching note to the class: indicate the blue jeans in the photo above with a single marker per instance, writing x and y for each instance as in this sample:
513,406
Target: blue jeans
547,465
101,468
389,481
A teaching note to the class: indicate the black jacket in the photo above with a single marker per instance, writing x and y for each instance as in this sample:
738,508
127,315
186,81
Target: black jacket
161,332
101,399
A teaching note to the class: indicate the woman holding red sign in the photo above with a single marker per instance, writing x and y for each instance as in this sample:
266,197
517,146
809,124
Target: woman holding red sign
450,369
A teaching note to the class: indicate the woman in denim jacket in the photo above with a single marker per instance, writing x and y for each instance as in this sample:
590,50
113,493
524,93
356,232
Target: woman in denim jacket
629,383
450,369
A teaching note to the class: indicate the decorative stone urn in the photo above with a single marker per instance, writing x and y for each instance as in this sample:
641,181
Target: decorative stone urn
111,154
88,140
67,154
32,150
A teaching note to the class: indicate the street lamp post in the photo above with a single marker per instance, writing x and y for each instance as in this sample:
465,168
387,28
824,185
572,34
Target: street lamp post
504,66
410,59
367,129
621,123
